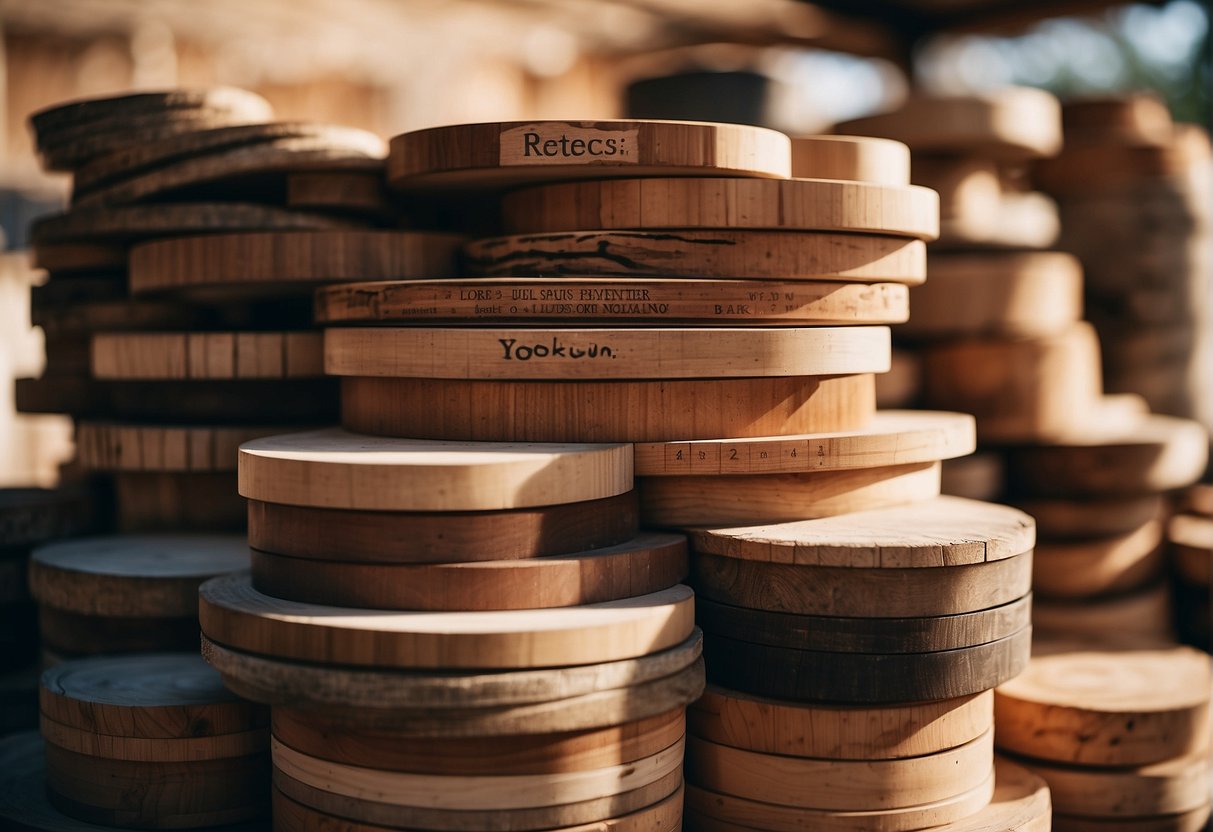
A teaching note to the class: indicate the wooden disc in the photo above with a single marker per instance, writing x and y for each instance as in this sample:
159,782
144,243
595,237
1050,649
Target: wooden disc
770,204
601,354
132,575
505,154
891,438
442,537
1166,788
84,110
1063,519
138,749
1193,821
1104,706
335,469
1103,565
1144,613
65,635
859,159
235,615
608,411
676,502
29,516
1190,539
103,446
1005,294
723,253
619,301
649,563
277,263
979,476
357,193
861,593
174,502
131,356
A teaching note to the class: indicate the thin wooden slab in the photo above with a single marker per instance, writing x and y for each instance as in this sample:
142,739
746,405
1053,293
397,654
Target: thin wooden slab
1105,706
606,411
719,253
770,204
602,353
891,438
1066,519
1170,787
84,110
29,516
132,575
173,356
235,615
335,469
1100,566
507,154
857,158
109,446
138,749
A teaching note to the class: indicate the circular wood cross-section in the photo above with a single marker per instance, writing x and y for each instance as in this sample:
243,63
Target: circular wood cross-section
857,158
206,356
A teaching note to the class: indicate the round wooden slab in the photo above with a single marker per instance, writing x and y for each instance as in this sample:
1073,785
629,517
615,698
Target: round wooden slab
138,749
1167,788
623,301
649,563
1144,613
856,158
107,446
335,469
970,188
141,356
84,110
285,262
607,411
861,593
723,253
29,516
1062,519
770,204
891,438
132,575
601,353
1103,565
234,614
1102,706
506,154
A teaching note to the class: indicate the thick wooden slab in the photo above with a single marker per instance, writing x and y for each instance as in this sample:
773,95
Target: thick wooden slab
277,263
140,356
109,446
649,563
614,301
442,537
235,615
891,438
861,593
335,469
751,499
771,204
606,411
508,154
602,353
1100,566
138,749
1167,788
856,158
29,516
1065,519
719,253
1143,613
1106,706
132,575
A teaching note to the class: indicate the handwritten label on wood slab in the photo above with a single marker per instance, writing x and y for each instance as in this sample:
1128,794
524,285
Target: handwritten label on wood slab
559,143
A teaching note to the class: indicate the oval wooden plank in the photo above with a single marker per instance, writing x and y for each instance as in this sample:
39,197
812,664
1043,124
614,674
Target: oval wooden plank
722,253
233,614
83,110
1105,706
857,158
132,575
102,446
138,356
770,204
289,262
1165,788
863,593
676,502
442,537
1144,613
609,411
29,516
891,438
184,750
649,563
591,300
601,353
507,154
65,635
838,732
1100,566
1064,519
335,469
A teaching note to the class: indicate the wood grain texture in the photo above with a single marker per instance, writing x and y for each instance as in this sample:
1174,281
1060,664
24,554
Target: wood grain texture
751,499
1077,519
507,154
838,732
886,592
1101,706
356,193
1142,613
70,258
103,446
891,438
139,749
718,253
153,576
649,563
335,469
618,300
442,537
608,411
1100,566
66,635
1192,821
212,356
235,615
29,516
857,158
768,204
1167,788
189,501
604,354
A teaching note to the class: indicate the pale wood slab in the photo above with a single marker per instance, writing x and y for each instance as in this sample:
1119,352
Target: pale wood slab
1170,787
1193,821
1100,566
111,446
969,187
170,356
140,749
1059,519
857,158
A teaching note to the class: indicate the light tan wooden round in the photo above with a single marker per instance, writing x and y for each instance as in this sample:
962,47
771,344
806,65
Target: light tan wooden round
770,204
1103,565
1167,788
235,615
1104,706
142,749
110,446
1144,613
335,469
1069,519
164,356
857,158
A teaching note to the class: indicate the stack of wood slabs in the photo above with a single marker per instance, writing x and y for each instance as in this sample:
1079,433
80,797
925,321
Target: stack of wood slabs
126,593
1190,541
1120,735
152,742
